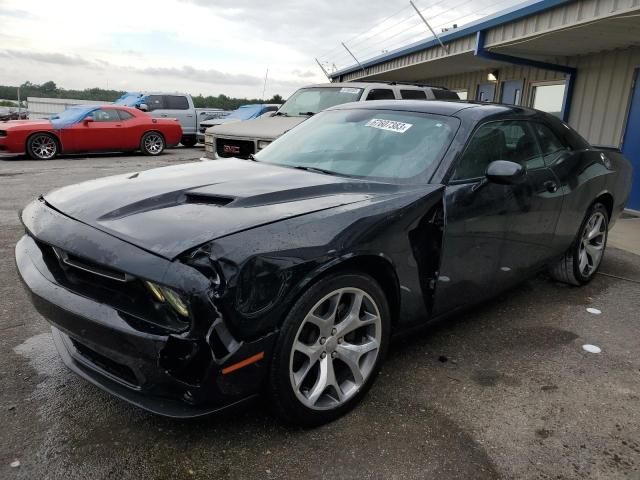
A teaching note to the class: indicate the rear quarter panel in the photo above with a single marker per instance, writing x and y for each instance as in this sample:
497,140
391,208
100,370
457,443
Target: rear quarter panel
584,176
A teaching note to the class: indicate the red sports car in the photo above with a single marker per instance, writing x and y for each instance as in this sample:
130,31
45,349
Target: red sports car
89,128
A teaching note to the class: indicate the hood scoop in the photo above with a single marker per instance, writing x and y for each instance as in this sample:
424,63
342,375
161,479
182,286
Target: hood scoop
204,199
167,200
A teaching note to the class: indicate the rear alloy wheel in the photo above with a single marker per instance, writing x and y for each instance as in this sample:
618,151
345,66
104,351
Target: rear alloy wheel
582,260
42,146
152,143
330,349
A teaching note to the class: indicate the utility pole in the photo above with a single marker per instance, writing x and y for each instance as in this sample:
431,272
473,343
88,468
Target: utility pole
264,87
446,49
19,103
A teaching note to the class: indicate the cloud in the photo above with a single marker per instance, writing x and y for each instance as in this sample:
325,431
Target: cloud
185,72
301,74
52,58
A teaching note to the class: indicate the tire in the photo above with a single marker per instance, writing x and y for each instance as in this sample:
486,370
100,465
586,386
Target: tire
43,146
580,263
299,393
189,142
152,143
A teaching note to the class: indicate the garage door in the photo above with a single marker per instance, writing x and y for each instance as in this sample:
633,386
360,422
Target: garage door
631,145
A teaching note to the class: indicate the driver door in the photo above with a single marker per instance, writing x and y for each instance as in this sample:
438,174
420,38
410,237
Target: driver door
99,134
476,219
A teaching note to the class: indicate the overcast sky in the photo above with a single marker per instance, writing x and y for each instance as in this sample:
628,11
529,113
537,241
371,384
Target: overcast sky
208,47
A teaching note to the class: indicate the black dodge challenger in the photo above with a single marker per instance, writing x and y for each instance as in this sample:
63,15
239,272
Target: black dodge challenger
189,289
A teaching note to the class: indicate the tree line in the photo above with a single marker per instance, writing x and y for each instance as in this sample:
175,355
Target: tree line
51,90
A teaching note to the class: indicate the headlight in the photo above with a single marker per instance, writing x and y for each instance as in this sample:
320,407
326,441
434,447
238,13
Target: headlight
263,143
173,298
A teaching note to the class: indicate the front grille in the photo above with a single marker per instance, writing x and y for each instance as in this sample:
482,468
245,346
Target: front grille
121,291
116,369
234,148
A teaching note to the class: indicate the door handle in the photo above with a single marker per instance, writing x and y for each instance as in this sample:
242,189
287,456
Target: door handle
118,125
189,115
551,186
163,114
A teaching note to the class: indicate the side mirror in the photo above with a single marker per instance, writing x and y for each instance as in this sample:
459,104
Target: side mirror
505,172
144,107
87,120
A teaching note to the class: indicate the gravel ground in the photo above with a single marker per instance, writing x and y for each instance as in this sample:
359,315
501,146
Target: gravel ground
505,391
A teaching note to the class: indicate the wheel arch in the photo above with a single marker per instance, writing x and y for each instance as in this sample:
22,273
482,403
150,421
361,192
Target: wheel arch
606,198
378,267
48,132
153,130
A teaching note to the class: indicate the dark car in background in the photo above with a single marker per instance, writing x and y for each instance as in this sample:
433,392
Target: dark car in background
192,288
13,113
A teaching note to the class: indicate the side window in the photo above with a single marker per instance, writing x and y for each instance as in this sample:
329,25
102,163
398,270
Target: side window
155,102
102,115
442,94
552,148
176,102
413,94
507,140
124,115
380,94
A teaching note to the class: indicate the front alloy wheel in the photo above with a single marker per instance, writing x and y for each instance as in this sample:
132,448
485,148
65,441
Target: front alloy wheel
42,146
330,349
335,349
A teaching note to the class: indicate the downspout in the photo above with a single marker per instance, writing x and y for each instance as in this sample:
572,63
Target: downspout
571,72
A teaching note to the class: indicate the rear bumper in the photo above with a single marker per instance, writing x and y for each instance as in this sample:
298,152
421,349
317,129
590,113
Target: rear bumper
103,345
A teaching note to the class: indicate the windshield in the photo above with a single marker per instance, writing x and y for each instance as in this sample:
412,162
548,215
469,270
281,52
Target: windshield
309,101
72,116
386,145
246,112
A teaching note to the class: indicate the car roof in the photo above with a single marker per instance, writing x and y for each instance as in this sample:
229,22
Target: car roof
449,108
372,84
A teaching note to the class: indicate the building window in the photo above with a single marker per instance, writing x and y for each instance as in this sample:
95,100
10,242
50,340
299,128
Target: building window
548,97
462,94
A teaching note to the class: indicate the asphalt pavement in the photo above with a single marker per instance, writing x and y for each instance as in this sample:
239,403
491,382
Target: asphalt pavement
504,391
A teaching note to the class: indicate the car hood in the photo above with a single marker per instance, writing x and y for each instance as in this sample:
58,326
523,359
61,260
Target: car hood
218,121
268,128
21,124
172,209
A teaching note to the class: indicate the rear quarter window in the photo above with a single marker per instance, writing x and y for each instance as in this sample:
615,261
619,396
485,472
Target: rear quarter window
176,102
445,94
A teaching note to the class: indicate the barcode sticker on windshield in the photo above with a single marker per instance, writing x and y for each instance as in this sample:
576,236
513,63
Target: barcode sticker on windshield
349,90
390,125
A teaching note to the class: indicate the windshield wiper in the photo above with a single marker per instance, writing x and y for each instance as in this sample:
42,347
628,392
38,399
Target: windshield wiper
307,113
251,157
315,170
281,114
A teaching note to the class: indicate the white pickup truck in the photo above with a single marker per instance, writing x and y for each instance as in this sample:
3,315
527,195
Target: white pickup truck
172,105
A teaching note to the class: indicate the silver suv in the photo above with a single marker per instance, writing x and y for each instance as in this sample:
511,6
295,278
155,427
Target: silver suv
246,138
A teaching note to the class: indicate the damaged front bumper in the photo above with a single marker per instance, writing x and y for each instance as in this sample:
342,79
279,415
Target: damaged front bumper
183,374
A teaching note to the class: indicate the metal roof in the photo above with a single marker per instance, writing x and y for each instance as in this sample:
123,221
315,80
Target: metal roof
516,12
